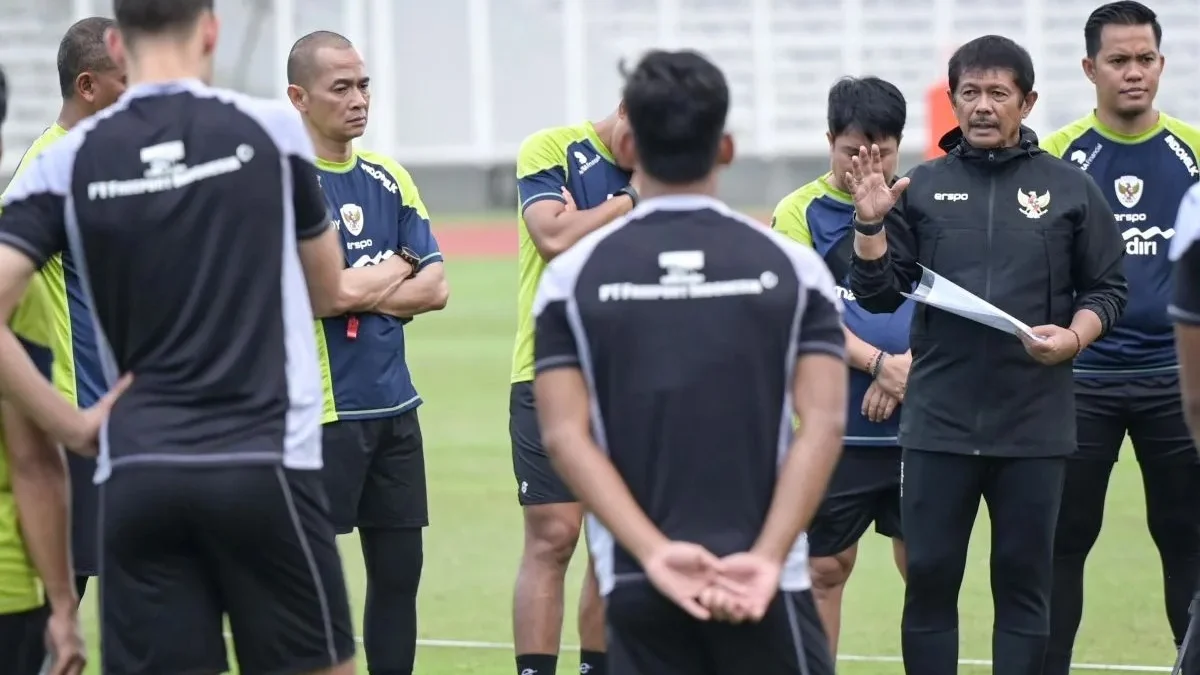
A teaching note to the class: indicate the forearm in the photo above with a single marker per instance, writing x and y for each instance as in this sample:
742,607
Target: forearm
360,289
33,394
859,353
41,490
595,482
873,283
800,487
569,226
870,247
426,292
1088,326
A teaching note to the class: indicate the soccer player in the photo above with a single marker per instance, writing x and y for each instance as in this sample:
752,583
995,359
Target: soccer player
865,487
90,82
1128,383
374,455
1025,231
204,248
683,452
37,597
570,182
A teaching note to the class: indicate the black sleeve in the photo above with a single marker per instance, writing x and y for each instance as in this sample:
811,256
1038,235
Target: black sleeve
307,200
821,325
1185,294
35,225
877,284
553,340
1096,261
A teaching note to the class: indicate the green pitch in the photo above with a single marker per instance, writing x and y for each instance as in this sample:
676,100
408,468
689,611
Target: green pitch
461,362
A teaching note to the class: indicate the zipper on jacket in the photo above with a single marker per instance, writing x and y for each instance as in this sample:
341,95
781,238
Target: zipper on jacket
987,279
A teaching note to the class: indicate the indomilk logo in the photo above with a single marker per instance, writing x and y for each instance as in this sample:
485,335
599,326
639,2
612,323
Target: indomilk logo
1137,242
166,171
1184,156
684,280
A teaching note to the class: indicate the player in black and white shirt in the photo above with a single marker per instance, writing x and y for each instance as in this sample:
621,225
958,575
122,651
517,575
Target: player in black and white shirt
672,348
202,239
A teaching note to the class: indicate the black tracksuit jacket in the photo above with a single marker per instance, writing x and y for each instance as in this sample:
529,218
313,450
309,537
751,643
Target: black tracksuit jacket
966,216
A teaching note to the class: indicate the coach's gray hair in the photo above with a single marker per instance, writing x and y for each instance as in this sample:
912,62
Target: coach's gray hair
302,60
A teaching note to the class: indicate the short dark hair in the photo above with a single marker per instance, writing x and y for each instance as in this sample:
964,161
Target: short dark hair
992,52
870,105
81,50
136,18
677,103
3,96
302,59
1123,13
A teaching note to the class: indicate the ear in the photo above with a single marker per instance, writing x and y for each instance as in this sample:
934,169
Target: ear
621,109
829,138
725,150
298,97
1027,105
1162,63
627,148
950,97
1089,69
210,28
85,86
115,44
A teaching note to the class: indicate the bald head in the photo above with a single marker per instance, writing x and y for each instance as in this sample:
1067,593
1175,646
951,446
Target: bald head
302,60
82,50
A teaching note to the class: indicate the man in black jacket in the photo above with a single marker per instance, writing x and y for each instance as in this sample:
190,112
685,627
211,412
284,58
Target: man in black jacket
986,415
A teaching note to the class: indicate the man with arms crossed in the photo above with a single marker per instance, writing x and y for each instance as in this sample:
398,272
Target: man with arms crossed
90,82
374,453
865,487
569,183
204,248
683,452
1128,382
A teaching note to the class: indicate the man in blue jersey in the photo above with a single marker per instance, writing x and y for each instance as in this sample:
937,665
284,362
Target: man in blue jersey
1128,382
374,454
89,81
865,488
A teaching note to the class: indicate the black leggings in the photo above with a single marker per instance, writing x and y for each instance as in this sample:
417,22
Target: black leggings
939,501
22,641
393,560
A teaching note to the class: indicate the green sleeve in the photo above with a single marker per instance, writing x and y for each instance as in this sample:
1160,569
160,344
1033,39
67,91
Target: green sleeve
791,220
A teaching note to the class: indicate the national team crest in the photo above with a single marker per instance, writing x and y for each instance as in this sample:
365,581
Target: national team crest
352,218
1129,190
1032,204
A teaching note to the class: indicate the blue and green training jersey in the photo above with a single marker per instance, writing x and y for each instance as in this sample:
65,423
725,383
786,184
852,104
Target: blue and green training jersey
550,160
376,210
1145,178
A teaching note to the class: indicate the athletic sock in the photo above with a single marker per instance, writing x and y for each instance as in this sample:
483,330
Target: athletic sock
592,663
393,560
537,664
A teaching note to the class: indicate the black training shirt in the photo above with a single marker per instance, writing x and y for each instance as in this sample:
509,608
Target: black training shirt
687,320
1185,296
182,206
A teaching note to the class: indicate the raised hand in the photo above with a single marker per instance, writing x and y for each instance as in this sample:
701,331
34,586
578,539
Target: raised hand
873,198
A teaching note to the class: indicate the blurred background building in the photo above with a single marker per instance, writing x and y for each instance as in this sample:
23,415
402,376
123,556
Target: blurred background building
458,83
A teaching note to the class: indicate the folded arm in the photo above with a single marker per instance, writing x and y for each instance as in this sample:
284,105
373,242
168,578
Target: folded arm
1097,269
41,489
426,292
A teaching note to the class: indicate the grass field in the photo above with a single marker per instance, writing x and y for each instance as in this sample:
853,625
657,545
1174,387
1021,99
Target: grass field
460,358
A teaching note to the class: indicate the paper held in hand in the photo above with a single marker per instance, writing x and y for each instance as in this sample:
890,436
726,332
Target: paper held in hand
937,291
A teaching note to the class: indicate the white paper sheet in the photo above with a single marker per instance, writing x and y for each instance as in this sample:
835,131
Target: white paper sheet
937,291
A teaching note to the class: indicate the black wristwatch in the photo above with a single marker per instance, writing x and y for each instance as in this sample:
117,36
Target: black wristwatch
869,230
629,192
407,255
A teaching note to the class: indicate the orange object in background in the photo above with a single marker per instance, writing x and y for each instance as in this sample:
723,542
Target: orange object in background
939,115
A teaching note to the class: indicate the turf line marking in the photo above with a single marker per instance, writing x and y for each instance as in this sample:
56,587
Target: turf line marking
849,658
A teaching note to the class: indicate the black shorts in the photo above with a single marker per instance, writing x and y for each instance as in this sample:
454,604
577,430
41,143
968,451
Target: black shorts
1149,410
23,642
650,635
85,545
375,473
864,489
184,547
537,483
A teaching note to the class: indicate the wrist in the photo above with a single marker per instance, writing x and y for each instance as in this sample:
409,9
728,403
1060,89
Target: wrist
867,228
630,192
877,363
1078,342
63,602
776,554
